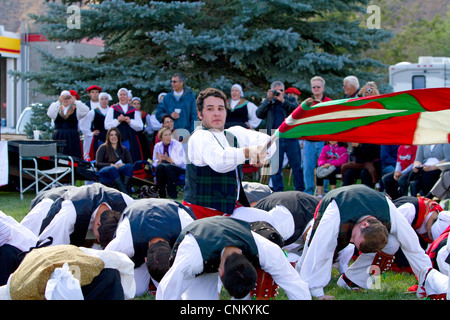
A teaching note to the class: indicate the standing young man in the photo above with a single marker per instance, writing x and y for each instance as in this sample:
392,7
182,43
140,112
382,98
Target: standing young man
213,172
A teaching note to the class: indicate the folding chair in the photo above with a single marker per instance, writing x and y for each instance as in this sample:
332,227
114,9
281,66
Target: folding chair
30,152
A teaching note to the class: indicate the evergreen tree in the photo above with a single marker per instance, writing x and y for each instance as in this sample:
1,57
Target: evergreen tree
214,43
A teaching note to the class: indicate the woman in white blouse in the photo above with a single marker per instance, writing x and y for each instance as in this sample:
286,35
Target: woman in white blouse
169,161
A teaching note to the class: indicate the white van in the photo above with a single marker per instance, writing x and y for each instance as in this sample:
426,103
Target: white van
428,72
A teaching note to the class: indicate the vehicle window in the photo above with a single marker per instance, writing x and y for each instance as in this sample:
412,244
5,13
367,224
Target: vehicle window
418,82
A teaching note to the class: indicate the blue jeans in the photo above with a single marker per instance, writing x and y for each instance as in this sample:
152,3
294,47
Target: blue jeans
294,154
311,153
108,174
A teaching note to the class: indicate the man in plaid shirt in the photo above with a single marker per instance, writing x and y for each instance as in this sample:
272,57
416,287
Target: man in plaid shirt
213,172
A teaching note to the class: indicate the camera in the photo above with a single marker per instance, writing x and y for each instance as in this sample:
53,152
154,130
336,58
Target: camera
276,93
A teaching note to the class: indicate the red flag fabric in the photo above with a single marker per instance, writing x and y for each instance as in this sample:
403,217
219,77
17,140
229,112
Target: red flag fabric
420,116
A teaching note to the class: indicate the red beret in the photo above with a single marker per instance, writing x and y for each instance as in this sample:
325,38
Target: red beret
75,94
293,90
94,87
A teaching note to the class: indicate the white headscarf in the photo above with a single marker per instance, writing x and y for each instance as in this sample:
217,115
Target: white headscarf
105,94
239,87
65,93
121,90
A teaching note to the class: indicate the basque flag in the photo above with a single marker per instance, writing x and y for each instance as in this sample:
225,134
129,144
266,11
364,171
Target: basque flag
419,116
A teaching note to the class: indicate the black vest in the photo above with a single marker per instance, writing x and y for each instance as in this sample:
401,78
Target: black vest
70,123
85,199
354,202
301,205
237,117
213,234
151,218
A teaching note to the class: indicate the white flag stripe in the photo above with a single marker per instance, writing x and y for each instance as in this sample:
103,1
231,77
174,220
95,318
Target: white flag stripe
433,127
345,114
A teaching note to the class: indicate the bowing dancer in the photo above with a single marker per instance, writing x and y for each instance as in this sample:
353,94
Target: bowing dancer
66,114
145,232
367,218
289,212
70,218
213,173
125,118
14,240
223,247
67,272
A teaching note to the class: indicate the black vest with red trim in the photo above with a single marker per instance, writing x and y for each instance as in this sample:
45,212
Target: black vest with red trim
354,202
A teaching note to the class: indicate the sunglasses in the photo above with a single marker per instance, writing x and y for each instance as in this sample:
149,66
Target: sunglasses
316,87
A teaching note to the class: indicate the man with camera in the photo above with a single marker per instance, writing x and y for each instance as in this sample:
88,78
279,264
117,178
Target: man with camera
275,108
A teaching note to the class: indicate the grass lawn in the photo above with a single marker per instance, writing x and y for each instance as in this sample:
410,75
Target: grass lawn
391,286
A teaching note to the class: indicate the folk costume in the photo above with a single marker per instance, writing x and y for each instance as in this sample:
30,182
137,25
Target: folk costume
128,131
142,221
417,211
197,253
68,218
14,239
66,272
301,207
240,112
213,173
66,120
94,120
339,211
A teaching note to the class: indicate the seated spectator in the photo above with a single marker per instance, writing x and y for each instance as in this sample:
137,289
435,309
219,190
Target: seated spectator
396,183
334,154
167,121
364,163
114,162
169,161
388,156
425,172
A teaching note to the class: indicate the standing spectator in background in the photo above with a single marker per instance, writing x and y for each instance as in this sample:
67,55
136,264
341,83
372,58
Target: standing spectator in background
312,149
179,104
351,87
143,141
124,117
293,92
275,108
66,114
241,112
396,183
94,94
93,127
425,173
